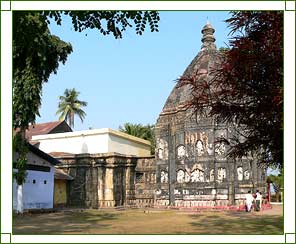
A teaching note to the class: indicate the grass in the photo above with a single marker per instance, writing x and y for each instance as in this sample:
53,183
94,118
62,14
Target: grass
153,222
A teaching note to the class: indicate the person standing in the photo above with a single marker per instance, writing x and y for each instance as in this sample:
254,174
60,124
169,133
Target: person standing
258,200
249,201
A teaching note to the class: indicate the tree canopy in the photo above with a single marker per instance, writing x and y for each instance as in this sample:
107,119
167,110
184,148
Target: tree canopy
145,132
70,105
37,54
247,89
108,22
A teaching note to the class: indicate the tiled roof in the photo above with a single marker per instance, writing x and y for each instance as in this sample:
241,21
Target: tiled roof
44,128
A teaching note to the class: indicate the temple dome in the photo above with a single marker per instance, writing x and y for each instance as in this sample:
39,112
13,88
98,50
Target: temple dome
207,59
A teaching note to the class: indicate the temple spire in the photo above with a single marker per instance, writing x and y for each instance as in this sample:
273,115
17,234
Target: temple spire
208,38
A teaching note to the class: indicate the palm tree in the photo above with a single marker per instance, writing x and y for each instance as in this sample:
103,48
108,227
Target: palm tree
70,105
142,131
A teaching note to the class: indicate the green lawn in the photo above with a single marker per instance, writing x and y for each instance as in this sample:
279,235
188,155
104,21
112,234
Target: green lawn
154,222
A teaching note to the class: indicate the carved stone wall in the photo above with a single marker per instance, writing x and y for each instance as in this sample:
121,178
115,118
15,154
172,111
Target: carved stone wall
196,170
192,168
109,180
145,182
100,180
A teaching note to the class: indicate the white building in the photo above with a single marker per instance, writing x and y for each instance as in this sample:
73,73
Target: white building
37,191
93,141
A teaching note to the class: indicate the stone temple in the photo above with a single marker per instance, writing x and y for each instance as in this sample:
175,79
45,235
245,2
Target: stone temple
191,166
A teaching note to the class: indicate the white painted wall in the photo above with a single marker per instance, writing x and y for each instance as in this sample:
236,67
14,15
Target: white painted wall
38,195
124,146
72,143
93,141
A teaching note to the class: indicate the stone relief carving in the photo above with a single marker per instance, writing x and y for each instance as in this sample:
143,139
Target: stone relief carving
196,174
210,149
220,148
160,153
239,173
180,176
201,176
181,152
247,175
199,148
164,177
162,149
221,174
204,138
212,175
187,177
198,143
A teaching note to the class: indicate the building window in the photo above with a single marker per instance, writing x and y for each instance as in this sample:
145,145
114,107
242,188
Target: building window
45,182
34,181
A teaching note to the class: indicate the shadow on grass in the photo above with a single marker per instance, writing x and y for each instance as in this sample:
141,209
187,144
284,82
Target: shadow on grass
242,223
62,222
137,222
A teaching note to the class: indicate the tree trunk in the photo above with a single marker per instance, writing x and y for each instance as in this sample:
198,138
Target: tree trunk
72,120
19,206
19,197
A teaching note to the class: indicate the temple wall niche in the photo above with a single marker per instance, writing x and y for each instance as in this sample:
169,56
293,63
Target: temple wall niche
161,149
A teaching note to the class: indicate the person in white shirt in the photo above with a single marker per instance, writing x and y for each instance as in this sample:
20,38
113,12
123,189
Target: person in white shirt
258,200
249,201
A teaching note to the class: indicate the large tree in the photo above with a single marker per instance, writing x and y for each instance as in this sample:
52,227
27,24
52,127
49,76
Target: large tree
145,132
247,89
70,105
37,54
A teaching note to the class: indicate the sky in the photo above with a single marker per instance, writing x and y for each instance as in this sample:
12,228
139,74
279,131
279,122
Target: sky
128,79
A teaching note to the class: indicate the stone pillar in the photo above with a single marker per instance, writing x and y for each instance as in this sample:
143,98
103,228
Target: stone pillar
232,174
130,185
171,165
88,187
94,200
109,188
101,185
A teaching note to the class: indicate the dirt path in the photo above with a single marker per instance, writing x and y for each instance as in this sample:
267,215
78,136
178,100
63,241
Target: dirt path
276,210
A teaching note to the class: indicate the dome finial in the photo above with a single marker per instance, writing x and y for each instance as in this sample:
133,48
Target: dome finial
208,38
